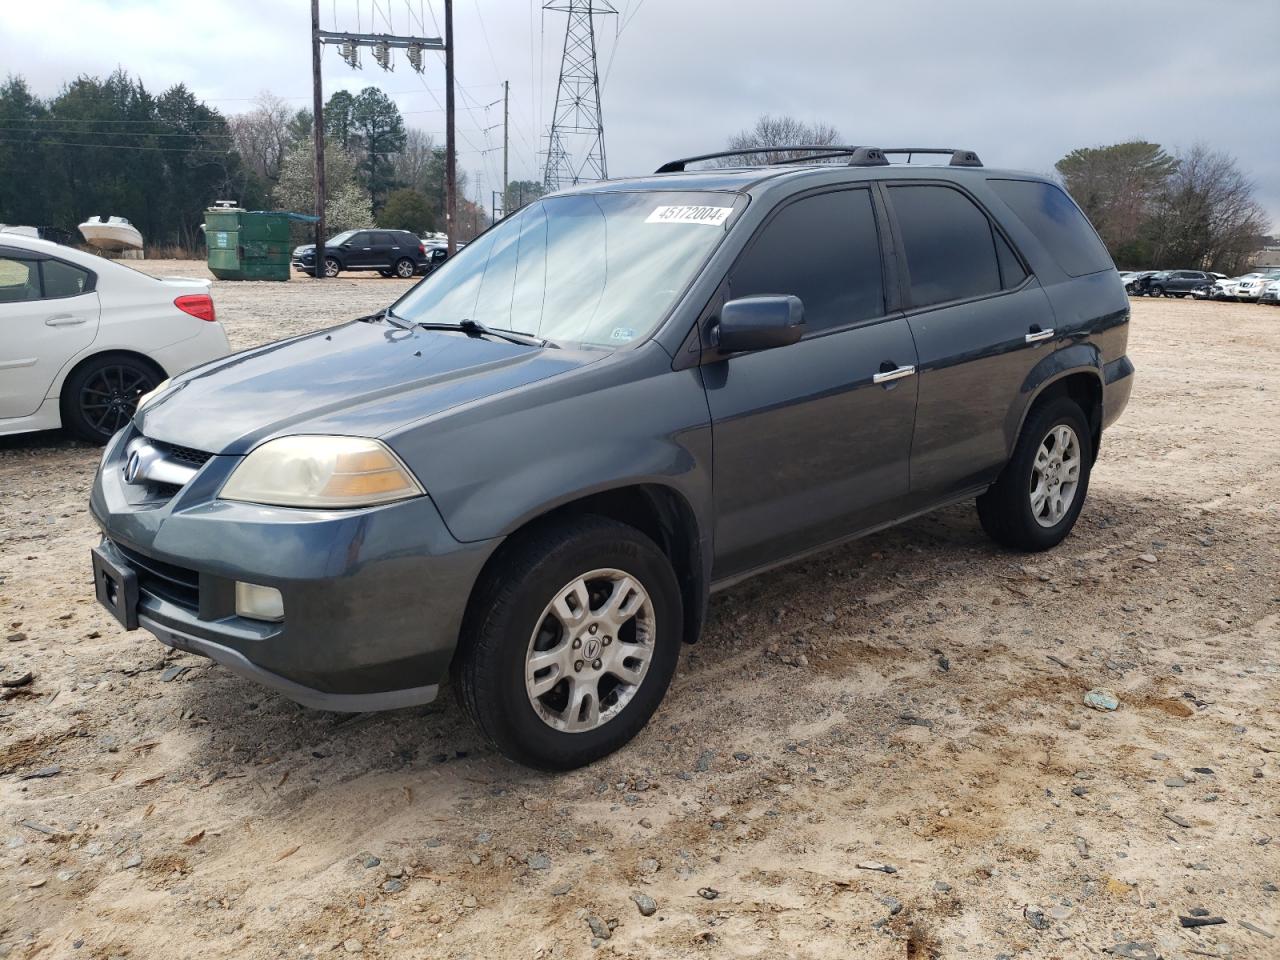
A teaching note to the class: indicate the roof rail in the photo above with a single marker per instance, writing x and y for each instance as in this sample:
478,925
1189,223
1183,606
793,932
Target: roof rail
858,156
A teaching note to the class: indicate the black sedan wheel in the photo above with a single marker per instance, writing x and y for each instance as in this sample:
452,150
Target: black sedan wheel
100,397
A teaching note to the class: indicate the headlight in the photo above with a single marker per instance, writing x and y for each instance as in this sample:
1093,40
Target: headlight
321,472
151,394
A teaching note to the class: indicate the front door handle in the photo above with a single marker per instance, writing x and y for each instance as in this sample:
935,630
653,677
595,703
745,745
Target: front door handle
1036,335
888,376
64,320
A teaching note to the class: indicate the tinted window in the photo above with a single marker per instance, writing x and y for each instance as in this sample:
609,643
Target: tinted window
951,253
1011,269
62,279
1057,223
823,249
388,239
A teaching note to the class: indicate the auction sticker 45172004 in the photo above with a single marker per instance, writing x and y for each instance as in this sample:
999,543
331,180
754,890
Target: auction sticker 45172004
711,216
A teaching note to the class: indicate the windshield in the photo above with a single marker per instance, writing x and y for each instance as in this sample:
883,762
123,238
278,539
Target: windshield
599,268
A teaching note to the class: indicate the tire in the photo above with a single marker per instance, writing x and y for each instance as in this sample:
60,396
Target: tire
1156,292
512,617
332,267
101,395
386,273
405,268
1009,512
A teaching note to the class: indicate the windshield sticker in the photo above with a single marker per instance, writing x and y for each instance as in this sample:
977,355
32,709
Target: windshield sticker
623,334
711,216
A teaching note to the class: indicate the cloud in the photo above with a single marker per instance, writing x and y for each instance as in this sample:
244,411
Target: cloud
1020,83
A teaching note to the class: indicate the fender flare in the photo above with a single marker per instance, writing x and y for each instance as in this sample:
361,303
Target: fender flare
1057,366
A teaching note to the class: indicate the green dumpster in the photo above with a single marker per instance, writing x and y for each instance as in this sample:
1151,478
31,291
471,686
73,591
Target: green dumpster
248,244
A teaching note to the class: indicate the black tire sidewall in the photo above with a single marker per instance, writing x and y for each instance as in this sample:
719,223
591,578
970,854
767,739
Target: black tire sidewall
404,276
73,417
1061,411
503,706
337,267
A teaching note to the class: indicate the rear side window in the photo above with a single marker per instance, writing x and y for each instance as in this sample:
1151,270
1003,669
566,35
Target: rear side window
19,280
62,279
1057,223
823,249
950,246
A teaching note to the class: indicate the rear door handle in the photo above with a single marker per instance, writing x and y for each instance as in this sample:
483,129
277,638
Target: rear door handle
64,320
1035,336
888,376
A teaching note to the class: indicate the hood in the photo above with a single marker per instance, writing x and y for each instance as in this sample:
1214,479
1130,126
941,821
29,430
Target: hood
359,379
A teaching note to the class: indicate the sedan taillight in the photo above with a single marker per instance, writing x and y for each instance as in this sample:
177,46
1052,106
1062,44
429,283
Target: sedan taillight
199,305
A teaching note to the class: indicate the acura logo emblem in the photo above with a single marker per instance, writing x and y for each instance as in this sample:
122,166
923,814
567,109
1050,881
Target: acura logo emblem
132,466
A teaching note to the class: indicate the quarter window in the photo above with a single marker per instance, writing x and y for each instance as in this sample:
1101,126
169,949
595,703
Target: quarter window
19,280
950,246
823,249
1057,223
62,279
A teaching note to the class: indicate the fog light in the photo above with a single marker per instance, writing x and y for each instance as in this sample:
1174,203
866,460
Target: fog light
258,602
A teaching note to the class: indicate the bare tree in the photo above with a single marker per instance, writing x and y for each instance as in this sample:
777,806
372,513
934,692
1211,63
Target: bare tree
1116,186
1208,215
780,131
411,167
264,135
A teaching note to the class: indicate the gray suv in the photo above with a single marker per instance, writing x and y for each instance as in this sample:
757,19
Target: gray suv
531,471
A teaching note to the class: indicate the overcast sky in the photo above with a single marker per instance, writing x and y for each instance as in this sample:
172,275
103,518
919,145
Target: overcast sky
1021,82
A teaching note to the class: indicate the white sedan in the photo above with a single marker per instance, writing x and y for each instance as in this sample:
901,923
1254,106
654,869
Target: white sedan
82,337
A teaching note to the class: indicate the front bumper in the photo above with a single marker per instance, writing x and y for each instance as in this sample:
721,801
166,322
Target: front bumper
373,598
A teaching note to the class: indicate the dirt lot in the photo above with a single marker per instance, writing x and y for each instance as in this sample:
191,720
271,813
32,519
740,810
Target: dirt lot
913,700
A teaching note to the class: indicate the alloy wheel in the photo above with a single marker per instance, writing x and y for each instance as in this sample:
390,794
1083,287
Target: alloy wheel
109,397
404,269
590,650
330,267
1055,475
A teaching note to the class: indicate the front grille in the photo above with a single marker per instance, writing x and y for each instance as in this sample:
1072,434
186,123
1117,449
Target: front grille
187,455
167,581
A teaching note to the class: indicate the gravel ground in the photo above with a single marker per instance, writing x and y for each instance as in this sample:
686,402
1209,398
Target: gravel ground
911,702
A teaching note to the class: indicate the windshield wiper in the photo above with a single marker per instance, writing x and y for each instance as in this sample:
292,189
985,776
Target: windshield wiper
474,328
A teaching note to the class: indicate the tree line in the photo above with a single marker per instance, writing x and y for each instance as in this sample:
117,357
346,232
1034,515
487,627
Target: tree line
1192,209
110,146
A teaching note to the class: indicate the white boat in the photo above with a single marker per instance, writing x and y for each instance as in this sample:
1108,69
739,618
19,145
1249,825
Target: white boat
19,230
111,233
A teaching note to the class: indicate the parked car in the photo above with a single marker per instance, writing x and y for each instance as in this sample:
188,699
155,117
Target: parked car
1136,285
437,254
82,337
362,511
1177,283
392,253
1271,293
1251,285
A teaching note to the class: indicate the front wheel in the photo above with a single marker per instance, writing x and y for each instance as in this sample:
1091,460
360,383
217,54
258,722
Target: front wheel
570,642
1036,499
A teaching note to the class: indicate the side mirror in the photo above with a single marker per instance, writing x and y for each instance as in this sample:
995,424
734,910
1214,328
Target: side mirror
758,323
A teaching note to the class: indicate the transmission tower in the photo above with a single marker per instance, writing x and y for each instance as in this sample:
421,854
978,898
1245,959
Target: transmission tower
577,124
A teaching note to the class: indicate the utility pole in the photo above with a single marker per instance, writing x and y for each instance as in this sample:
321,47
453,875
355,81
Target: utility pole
450,147
506,139
317,124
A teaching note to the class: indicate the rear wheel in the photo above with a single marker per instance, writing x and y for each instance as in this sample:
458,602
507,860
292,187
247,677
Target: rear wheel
570,643
1035,501
331,267
102,395
405,268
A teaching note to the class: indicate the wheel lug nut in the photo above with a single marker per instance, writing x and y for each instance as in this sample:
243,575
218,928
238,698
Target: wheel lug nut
592,629
595,664
577,642
577,665
607,641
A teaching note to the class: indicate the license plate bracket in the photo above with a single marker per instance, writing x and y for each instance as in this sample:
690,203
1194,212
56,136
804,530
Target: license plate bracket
116,587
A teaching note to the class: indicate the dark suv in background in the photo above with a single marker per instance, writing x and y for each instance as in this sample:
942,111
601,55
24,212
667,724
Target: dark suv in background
392,253
1177,283
532,470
